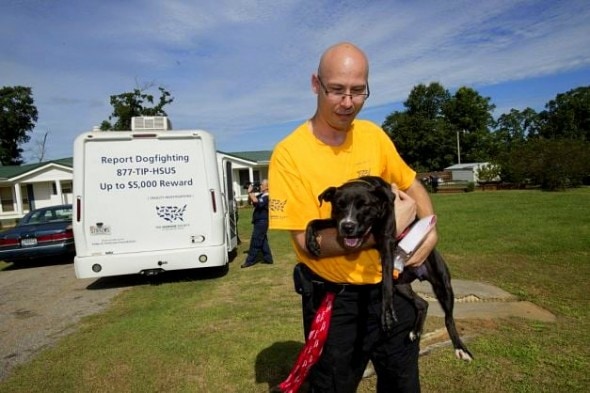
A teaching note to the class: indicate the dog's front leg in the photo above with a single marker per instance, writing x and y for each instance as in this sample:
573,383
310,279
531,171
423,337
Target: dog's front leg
388,316
312,234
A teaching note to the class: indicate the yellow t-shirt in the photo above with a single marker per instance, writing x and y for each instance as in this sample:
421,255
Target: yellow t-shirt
302,167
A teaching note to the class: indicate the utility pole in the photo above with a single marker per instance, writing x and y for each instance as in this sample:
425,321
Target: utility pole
458,148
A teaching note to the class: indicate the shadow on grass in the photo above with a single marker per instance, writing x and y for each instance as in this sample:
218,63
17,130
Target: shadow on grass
185,275
274,363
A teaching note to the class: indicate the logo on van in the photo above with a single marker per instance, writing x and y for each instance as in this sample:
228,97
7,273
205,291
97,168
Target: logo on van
100,229
171,213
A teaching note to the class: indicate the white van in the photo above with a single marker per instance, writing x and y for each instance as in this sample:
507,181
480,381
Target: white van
151,200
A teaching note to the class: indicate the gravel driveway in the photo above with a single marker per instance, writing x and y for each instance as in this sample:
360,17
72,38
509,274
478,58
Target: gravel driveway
39,303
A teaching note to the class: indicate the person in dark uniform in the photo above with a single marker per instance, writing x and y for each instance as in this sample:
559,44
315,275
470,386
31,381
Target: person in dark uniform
259,239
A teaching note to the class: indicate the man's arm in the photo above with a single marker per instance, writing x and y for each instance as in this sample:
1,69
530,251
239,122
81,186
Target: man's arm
405,213
252,194
423,208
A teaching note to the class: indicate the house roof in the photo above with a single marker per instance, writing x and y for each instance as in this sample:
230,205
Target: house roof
260,156
465,167
12,171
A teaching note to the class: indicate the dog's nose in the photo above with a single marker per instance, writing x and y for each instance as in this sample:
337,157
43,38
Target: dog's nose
347,227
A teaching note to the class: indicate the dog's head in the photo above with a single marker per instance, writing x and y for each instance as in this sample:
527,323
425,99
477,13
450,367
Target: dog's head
359,207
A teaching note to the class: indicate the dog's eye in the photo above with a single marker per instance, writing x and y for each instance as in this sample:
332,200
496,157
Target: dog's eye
341,205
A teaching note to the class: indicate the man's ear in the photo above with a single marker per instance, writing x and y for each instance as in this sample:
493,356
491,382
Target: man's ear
327,195
315,84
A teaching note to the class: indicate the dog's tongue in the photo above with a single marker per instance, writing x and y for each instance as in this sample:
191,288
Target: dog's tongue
352,242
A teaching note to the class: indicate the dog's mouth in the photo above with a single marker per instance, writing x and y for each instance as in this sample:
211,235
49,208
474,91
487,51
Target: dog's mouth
352,242
355,241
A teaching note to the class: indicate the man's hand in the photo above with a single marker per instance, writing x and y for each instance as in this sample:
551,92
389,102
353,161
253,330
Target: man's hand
405,210
424,250
423,208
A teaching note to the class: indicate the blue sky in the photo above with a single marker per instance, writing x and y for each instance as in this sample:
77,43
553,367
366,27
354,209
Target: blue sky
241,69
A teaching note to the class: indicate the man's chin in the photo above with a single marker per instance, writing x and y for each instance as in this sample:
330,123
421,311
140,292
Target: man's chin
342,123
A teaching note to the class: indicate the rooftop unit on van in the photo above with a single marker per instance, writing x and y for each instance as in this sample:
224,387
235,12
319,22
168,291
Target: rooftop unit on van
150,123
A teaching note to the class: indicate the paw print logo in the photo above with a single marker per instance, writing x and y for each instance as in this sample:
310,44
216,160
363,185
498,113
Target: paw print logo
171,213
363,172
276,205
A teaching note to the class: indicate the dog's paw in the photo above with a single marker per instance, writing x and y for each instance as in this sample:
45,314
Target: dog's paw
388,320
414,335
311,241
313,246
463,355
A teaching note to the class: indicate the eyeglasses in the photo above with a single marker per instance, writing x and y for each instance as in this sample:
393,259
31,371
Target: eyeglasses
338,93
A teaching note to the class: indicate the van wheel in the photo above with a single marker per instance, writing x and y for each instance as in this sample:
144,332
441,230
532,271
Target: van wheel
220,271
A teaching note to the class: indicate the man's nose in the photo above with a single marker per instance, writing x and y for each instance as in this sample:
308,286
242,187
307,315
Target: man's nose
346,101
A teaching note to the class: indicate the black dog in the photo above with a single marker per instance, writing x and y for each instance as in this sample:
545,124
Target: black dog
364,206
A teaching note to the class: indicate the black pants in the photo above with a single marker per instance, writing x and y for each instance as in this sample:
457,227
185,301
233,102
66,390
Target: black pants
355,337
259,242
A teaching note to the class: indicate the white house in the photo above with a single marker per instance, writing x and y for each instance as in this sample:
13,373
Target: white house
32,186
247,167
466,171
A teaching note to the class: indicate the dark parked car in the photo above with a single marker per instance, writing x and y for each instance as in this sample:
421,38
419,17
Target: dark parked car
45,232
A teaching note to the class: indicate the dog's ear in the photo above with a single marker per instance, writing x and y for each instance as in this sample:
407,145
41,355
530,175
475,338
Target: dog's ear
385,194
327,195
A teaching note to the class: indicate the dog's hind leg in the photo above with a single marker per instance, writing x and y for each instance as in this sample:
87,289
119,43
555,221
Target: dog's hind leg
420,305
440,279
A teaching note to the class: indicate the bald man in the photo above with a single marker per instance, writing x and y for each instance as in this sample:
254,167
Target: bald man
327,150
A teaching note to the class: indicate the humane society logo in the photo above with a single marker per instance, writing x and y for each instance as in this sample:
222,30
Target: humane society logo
171,213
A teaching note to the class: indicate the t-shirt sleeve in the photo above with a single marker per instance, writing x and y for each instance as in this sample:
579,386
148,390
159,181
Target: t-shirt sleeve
396,169
291,207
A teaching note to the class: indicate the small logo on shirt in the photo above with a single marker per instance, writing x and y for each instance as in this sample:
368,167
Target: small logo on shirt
276,205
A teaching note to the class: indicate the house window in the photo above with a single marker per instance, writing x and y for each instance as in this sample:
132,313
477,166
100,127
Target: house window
66,187
244,176
53,188
7,199
25,197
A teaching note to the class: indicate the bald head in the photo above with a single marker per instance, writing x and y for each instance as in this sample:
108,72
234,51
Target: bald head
343,59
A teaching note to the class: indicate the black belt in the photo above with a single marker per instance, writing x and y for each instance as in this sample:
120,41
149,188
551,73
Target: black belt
329,286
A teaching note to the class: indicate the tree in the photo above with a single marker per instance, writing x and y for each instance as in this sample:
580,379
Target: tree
18,116
420,131
469,113
549,148
39,148
567,116
488,173
426,132
128,105
513,128
554,164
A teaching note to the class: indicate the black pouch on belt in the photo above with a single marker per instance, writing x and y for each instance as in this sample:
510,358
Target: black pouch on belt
302,280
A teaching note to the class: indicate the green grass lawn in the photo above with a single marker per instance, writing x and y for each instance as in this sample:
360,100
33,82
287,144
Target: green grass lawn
241,332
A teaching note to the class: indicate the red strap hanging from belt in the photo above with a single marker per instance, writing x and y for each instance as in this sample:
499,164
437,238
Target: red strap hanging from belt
311,351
